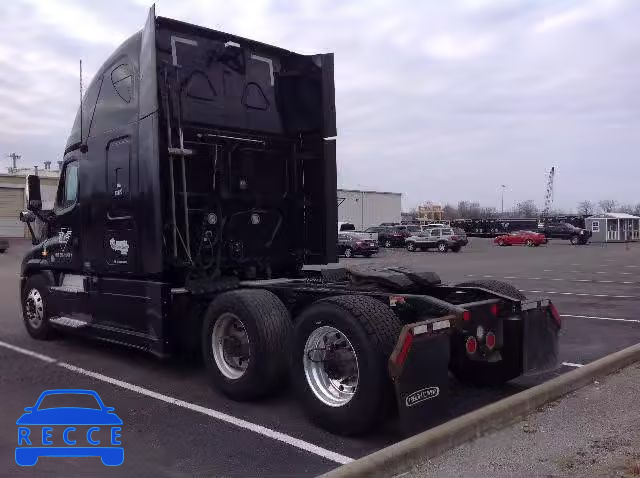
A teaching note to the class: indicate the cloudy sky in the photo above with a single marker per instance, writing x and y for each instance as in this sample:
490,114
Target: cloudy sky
441,101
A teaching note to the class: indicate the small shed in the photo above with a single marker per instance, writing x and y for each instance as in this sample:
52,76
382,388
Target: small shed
613,227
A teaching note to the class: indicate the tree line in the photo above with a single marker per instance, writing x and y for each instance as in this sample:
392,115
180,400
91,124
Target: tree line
528,208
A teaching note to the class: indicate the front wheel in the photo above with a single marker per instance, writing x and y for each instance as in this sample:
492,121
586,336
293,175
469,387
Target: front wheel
443,247
500,242
348,252
35,295
387,243
529,243
340,350
574,240
245,334
411,247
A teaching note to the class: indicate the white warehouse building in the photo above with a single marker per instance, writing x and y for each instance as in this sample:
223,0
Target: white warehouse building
368,208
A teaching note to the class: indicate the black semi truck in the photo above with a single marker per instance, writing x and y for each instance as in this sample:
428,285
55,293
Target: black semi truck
198,181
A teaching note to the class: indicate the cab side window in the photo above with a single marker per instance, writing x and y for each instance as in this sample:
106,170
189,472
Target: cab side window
435,232
68,186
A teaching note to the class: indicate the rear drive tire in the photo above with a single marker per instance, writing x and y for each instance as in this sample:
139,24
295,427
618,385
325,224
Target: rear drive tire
245,338
442,247
529,243
500,287
411,247
35,296
348,252
388,243
574,240
371,330
500,242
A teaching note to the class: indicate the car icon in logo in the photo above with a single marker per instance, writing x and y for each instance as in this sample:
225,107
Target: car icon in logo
78,431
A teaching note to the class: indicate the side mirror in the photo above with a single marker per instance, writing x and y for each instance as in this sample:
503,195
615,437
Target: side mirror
32,192
27,217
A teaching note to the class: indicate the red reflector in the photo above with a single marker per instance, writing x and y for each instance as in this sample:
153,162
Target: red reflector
494,309
554,314
404,351
471,345
466,316
490,340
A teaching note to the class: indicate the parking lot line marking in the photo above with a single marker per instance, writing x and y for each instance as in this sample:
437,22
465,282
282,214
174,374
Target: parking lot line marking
594,281
238,422
583,294
487,276
637,321
571,364
30,353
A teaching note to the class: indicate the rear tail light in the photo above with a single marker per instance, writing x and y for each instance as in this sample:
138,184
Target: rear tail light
471,345
466,316
555,314
359,243
494,309
490,340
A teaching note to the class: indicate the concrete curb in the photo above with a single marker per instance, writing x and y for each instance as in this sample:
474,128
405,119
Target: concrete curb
401,456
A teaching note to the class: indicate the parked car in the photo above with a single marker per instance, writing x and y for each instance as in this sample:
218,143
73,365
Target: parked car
355,244
526,238
345,226
564,230
441,238
4,245
390,236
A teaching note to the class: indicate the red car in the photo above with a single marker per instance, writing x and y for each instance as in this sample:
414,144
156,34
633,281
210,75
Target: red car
527,238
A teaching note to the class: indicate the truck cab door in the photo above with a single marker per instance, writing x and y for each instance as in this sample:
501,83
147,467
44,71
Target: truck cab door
63,249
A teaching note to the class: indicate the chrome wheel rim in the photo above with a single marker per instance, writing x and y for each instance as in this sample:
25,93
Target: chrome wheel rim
347,253
411,247
331,366
387,244
230,346
34,308
441,247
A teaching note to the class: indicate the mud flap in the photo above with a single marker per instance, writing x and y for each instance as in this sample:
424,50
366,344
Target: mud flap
419,369
540,337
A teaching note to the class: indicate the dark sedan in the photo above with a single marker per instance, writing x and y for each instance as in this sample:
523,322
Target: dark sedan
354,244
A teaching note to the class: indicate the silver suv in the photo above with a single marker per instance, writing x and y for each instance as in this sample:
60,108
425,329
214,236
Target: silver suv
441,238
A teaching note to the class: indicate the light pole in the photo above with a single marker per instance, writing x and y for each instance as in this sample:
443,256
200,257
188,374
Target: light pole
503,186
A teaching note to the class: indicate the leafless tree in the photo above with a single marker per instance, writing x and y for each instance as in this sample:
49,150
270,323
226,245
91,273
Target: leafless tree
586,208
450,212
527,208
628,208
607,205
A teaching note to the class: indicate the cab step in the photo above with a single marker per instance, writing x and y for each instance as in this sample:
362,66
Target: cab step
68,322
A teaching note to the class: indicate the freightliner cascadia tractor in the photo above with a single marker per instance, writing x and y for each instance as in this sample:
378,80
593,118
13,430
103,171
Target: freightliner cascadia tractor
196,211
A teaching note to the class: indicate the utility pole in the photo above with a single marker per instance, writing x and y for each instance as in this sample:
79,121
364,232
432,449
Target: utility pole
503,186
14,157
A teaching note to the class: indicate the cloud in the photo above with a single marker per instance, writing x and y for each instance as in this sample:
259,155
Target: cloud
441,101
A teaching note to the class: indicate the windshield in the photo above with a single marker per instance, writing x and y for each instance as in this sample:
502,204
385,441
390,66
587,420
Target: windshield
66,400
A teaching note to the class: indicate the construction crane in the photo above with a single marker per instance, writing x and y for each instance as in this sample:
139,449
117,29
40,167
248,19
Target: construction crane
14,157
548,196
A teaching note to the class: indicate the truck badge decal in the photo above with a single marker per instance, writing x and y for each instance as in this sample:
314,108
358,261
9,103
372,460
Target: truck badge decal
119,246
421,395
64,235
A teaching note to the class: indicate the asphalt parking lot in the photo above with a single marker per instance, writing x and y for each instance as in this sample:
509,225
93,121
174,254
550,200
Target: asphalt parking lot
176,425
